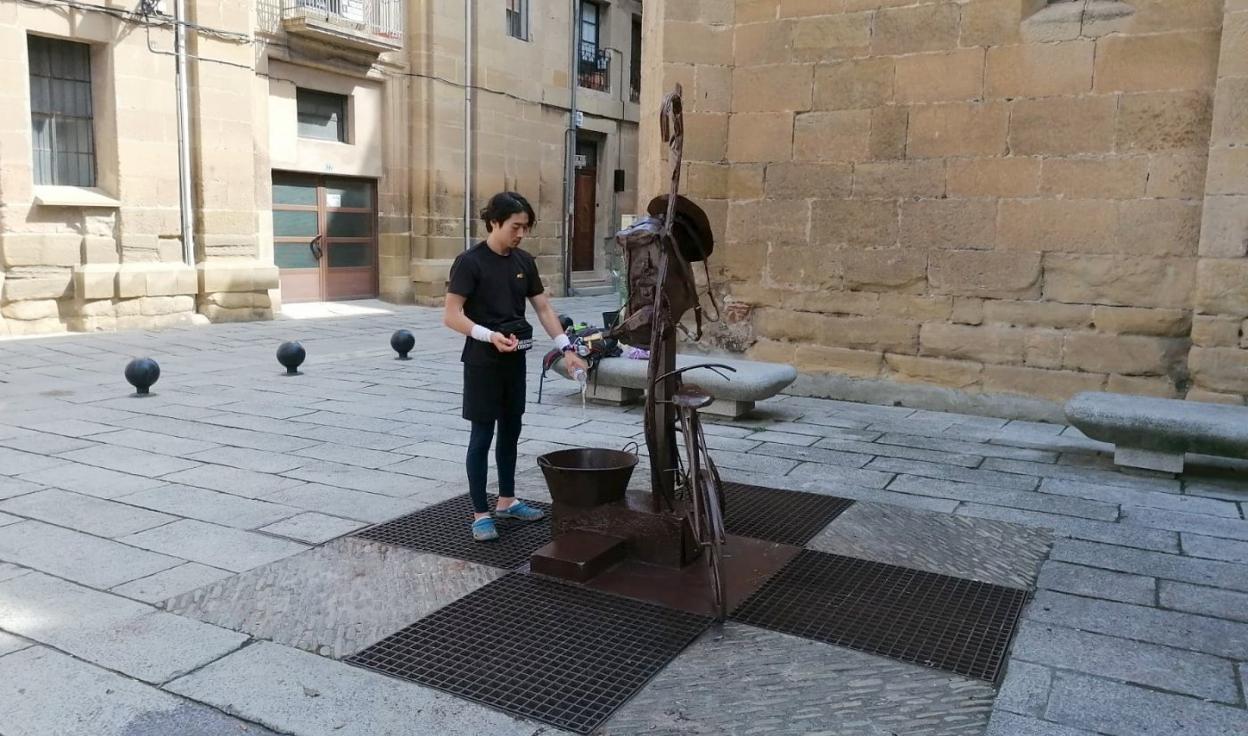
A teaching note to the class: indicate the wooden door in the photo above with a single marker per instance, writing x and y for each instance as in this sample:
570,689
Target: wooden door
325,237
584,220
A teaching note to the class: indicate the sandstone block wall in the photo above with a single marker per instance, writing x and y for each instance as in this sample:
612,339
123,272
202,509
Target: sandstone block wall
1001,197
111,257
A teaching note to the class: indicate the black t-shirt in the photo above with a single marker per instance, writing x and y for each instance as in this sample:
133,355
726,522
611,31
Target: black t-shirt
494,288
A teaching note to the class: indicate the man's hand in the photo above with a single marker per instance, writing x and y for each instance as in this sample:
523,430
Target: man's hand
572,361
504,343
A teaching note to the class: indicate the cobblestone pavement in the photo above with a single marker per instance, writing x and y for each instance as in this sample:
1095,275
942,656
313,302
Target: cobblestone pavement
120,514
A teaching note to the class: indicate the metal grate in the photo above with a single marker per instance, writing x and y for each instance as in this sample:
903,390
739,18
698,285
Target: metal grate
444,529
567,656
961,626
773,515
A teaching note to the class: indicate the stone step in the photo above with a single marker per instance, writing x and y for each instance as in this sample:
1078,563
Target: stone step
593,288
578,555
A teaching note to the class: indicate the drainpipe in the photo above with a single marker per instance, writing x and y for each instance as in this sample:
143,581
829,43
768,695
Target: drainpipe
182,83
569,171
468,47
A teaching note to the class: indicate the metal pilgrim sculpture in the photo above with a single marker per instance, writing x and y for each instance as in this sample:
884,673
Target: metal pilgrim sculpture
596,522
684,237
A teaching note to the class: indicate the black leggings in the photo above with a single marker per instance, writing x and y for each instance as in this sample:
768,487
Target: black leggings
504,456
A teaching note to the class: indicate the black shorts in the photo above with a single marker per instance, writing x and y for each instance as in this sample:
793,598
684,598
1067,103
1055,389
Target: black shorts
494,390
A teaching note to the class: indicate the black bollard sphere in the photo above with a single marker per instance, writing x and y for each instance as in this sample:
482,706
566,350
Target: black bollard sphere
403,341
142,373
565,322
291,354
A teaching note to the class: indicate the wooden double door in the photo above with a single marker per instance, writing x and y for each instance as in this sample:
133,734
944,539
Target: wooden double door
325,237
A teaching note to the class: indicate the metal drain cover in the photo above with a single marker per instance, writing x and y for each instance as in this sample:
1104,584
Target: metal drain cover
535,648
962,626
443,529
774,515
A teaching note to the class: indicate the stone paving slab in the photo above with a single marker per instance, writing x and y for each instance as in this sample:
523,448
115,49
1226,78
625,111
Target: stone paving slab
153,442
1214,636
941,471
85,559
337,599
1108,532
351,456
718,687
297,692
236,481
1024,689
1182,522
982,449
245,458
8,571
313,528
10,643
995,496
129,460
901,452
158,588
1126,710
223,435
44,692
348,504
988,551
1173,567
823,456
1214,602
17,462
1096,583
10,487
1164,668
1198,545
213,545
110,631
1004,723
361,479
1070,472
430,469
93,481
833,474
211,506
43,443
1136,497
84,513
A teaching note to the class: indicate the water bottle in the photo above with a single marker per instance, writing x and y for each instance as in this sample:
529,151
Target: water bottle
580,376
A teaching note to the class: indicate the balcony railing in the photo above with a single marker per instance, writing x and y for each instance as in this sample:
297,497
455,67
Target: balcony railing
594,70
370,25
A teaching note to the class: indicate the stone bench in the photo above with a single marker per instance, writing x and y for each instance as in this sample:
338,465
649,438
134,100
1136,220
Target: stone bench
621,381
1155,433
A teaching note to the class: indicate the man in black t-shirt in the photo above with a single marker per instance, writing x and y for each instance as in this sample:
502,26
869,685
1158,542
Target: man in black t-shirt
485,301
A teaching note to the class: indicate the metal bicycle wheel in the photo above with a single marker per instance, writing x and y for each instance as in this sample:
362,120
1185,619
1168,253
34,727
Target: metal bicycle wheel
713,540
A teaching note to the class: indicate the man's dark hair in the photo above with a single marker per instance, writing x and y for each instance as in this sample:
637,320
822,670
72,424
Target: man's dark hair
503,205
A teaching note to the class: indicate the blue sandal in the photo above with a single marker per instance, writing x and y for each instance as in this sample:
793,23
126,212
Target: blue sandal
520,510
483,530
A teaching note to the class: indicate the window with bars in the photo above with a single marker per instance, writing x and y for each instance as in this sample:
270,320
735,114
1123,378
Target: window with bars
61,121
518,19
322,115
594,69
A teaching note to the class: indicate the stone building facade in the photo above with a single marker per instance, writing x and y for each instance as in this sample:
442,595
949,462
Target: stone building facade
327,150
986,204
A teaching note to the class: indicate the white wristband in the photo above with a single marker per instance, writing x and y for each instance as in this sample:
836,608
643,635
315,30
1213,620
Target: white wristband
562,341
482,333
